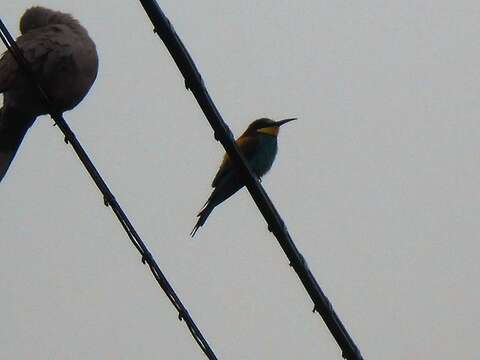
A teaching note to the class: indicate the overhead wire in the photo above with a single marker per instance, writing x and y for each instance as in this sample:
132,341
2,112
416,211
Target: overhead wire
108,198
193,81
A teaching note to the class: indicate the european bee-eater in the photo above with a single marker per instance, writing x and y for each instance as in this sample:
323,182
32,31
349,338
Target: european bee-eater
64,59
258,144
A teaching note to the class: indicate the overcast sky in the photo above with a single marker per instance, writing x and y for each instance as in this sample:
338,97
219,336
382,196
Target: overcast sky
378,183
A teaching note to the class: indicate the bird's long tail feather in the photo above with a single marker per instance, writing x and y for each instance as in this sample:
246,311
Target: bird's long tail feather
228,186
202,216
13,127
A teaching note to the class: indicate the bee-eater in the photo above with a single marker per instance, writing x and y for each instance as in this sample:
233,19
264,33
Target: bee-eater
258,144
64,59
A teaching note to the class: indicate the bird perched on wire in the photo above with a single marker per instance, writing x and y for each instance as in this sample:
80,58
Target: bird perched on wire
258,144
64,60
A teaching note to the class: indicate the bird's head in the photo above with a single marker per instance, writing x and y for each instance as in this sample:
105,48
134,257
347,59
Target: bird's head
38,16
266,126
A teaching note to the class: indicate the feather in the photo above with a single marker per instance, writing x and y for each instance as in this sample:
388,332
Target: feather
247,145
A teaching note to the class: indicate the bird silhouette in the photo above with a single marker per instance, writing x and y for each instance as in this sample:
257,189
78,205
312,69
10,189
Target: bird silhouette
64,60
258,144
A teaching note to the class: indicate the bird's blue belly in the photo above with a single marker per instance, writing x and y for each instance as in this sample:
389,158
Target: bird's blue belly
263,159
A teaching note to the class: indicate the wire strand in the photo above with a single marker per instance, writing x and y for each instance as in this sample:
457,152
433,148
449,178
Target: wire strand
194,82
109,199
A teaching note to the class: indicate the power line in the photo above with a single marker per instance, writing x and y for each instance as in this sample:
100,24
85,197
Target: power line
109,199
194,82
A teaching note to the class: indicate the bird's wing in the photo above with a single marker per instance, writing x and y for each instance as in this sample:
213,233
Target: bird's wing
37,46
8,71
247,146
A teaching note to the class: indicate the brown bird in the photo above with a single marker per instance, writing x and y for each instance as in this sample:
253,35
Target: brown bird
64,60
258,144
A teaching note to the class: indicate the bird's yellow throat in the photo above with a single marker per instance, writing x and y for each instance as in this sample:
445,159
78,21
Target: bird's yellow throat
273,130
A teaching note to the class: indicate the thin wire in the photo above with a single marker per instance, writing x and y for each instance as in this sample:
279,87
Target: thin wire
194,82
109,199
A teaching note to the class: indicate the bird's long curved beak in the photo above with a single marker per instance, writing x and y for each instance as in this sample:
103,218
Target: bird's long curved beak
281,122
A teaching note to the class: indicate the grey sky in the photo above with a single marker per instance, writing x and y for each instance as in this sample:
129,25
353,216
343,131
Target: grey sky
377,182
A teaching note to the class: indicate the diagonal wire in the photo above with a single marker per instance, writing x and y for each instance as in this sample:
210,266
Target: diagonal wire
109,199
194,82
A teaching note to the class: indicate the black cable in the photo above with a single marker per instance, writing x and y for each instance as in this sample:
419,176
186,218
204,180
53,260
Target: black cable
194,82
109,199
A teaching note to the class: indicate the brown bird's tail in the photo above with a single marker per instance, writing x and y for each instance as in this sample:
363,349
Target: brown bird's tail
13,127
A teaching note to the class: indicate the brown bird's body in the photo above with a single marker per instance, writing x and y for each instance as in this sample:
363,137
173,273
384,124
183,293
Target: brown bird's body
64,59
258,145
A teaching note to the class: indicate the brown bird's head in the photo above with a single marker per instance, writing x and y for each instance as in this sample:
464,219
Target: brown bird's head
265,126
38,16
